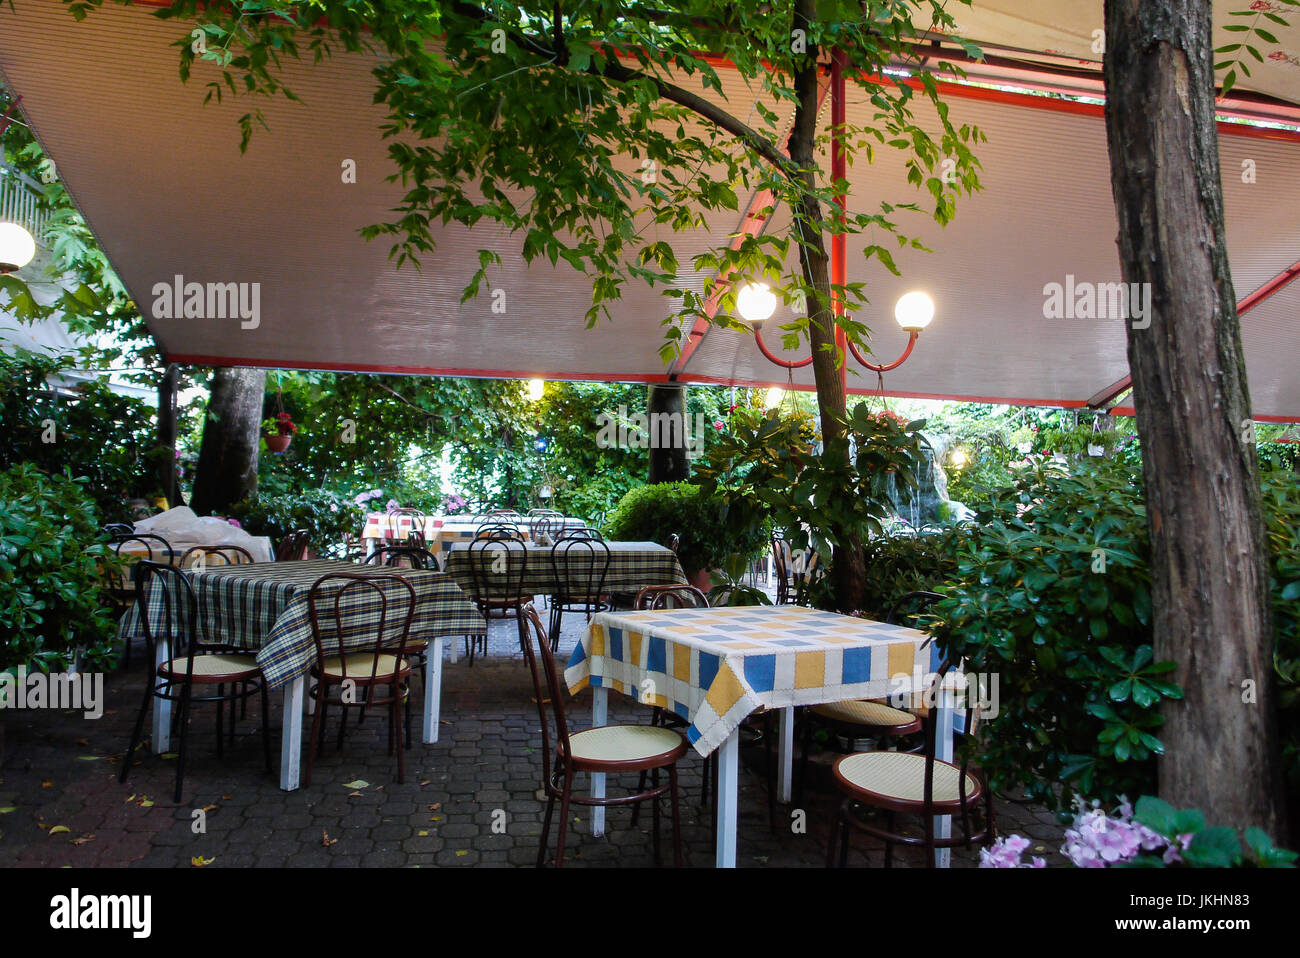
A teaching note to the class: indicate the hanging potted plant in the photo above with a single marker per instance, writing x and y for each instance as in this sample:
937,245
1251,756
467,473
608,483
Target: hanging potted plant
278,432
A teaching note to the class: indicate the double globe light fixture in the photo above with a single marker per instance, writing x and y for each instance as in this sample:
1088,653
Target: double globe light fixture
913,312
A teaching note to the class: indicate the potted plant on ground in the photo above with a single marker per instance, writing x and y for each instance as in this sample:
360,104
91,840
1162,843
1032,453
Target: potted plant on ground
278,432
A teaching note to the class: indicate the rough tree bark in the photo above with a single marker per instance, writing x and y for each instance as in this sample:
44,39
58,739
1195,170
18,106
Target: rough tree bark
1210,578
848,569
668,460
227,468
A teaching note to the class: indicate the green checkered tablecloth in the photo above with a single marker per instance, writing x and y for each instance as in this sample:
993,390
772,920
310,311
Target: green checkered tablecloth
263,606
632,566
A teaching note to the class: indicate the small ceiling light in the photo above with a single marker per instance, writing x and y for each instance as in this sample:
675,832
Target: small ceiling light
16,247
914,311
755,302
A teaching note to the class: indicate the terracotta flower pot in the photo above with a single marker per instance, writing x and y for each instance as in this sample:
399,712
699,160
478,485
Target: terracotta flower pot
277,443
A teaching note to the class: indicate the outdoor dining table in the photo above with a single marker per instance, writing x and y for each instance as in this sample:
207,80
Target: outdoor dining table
714,667
632,566
440,532
263,606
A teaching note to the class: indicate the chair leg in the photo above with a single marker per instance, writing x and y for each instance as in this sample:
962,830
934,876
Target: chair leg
677,820
564,822
836,825
221,725
654,816
185,731
546,830
844,842
636,809
317,721
889,846
139,727
242,703
397,733
266,726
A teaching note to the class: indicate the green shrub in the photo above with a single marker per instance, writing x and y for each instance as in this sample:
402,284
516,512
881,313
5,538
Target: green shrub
94,433
898,564
52,568
1052,593
710,531
327,516
1282,531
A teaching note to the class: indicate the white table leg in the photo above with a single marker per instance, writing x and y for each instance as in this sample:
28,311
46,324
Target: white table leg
291,734
433,691
785,746
162,708
943,750
728,786
599,716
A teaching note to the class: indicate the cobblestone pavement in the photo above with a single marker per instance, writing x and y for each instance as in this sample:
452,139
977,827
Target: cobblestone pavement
469,800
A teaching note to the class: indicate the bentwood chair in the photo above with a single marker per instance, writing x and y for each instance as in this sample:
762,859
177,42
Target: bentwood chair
867,718
498,566
293,547
579,564
606,749
913,784
371,615
121,589
413,520
781,567
208,557
417,650
194,666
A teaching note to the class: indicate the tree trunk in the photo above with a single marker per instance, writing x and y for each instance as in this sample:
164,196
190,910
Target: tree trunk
167,436
668,459
848,566
1209,575
227,469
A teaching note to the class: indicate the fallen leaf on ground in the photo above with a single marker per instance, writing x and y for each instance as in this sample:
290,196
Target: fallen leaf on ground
83,741
355,795
83,839
435,806
326,840
198,861
359,783
57,829
210,808
422,834
47,784
458,854
7,809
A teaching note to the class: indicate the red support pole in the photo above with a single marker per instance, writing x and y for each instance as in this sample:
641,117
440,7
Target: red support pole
839,171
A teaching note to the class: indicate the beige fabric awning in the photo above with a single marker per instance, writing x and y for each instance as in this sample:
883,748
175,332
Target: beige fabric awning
160,179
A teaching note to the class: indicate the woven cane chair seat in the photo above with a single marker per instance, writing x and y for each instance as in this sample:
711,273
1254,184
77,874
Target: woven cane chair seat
212,668
900,776
623,743
862,712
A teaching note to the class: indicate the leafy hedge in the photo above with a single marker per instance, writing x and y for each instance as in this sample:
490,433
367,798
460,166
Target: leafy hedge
710,531
328,516
1052,593
96,434
898,564
52,568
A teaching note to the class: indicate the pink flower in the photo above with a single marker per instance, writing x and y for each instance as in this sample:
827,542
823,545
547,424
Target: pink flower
1277,55
718,424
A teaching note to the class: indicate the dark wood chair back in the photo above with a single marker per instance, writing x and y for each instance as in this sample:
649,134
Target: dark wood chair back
352,613
670,597
293,547
546,691
405,557
207,557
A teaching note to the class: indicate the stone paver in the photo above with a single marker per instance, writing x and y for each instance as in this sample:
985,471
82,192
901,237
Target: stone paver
469,800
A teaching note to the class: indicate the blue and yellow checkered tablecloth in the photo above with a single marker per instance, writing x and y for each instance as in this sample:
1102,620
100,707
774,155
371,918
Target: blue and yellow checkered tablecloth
713,667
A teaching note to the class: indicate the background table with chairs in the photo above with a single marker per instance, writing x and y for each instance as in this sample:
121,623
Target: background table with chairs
632,566
263,606
715,666
438,533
